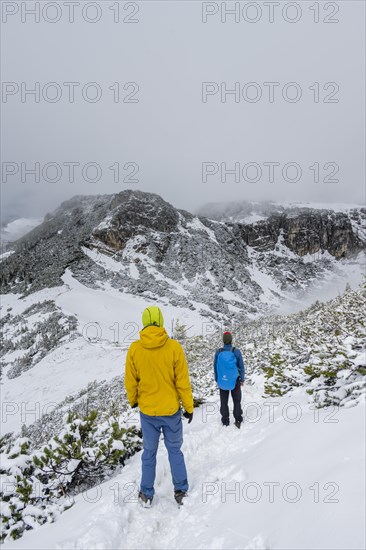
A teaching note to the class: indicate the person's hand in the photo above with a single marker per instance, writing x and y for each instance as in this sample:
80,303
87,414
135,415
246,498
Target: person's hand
189,416
134,406
241,383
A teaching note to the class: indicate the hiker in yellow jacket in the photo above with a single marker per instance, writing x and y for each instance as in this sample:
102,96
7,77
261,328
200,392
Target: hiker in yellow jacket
157,381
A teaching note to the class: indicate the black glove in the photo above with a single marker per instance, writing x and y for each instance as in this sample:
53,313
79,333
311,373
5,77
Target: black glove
134,406
189,416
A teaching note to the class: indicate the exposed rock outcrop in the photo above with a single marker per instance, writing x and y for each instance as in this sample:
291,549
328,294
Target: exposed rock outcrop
159,251
307,232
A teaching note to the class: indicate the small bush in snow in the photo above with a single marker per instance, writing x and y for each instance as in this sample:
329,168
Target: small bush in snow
36,485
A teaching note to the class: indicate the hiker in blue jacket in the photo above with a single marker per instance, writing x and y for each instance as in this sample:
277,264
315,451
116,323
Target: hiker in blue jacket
229,375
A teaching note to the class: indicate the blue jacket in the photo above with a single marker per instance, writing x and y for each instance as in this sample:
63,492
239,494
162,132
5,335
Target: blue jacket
239,361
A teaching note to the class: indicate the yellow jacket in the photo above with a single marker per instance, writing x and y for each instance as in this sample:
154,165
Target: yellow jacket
156,374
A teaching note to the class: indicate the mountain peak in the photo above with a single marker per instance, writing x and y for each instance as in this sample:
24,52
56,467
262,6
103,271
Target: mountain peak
141,244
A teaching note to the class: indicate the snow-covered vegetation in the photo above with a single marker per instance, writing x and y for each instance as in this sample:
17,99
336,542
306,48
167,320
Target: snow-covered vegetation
27,338
36,485
318,353
321,349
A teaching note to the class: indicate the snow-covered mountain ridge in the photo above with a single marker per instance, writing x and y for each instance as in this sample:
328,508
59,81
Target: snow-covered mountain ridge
74,288
142,245
249,211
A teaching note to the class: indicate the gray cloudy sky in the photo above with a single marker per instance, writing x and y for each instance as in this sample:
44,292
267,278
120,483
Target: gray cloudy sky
160,132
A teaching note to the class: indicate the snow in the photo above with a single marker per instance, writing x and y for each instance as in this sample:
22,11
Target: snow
336,206
197,225
320,255
253,218
105,224
180,226
62,372
359,230
275,484
208,275
134,272
229,295
110,264
5,255
108,321
316,456
252,212
336,274
270,290
333,283
19,304
109,306
105,261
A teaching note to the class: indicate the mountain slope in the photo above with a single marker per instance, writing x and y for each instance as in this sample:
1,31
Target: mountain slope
142,245
305,389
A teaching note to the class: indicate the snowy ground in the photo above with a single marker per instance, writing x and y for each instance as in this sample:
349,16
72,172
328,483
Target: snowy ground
294,480
108,320
275,484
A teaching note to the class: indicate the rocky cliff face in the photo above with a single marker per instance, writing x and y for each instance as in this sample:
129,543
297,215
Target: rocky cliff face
141,244
306,232
134,213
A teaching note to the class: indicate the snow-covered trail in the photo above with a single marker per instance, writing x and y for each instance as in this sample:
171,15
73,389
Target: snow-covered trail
315,468
108,322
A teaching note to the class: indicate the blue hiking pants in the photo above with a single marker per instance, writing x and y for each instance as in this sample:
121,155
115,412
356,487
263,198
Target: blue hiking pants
172,428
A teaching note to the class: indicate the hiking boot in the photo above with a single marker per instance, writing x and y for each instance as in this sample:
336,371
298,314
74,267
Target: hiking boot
225,422
145,500
238,423
179,496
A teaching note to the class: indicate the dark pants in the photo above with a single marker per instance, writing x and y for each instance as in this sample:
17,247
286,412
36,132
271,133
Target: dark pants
224,398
